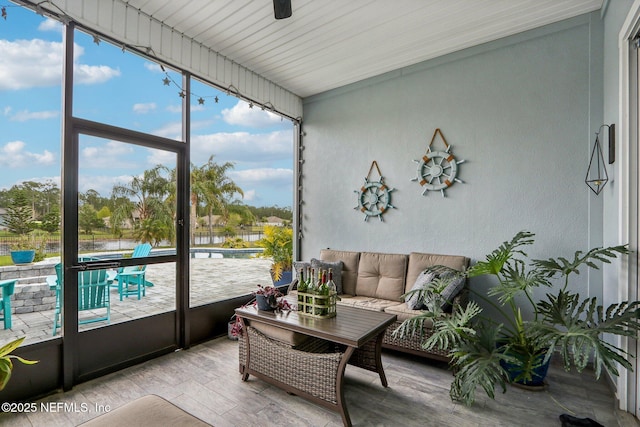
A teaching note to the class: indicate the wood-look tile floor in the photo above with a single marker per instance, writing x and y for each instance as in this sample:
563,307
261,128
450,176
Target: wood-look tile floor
204,381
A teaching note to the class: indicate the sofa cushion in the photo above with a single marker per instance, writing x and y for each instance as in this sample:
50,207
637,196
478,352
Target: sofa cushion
403,312
418,262
349,267
336,266
414,301
382,275
368,303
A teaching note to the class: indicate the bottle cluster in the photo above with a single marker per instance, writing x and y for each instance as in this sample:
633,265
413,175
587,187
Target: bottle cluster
316,292
321,285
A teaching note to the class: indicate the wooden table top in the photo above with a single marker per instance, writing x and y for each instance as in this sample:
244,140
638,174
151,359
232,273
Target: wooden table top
351,326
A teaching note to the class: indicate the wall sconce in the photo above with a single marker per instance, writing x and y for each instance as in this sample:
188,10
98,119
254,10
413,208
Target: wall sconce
597,176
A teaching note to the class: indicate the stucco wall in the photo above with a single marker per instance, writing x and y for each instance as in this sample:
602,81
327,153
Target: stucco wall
520,111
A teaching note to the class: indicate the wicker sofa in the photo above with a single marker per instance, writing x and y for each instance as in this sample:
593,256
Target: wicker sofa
376,281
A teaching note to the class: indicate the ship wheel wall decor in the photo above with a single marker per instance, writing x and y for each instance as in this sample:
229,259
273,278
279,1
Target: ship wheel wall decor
374,197
437,169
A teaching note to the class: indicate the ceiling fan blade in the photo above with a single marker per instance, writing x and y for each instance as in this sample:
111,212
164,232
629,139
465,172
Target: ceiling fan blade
282,9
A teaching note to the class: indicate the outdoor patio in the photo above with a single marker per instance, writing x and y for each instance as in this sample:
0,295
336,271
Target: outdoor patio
212,279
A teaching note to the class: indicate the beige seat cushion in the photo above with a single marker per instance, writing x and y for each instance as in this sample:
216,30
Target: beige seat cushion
403,312
288,337
419,261
367,303
349,267
381,275
146,411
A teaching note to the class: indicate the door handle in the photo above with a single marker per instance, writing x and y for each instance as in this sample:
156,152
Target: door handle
94,265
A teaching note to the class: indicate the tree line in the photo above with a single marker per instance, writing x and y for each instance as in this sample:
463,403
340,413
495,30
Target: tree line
144,207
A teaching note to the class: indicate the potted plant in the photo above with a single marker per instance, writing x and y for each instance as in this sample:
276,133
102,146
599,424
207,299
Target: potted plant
488,352
278,245
266,298
28,247
270,298
6,365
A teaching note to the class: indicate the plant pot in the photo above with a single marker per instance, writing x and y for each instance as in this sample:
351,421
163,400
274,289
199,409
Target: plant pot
537,376
263,303
285,279
23,257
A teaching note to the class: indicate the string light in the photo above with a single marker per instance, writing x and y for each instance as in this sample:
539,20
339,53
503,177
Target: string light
167,81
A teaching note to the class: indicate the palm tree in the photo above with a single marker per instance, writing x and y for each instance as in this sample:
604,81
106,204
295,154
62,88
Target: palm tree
148,195
211,186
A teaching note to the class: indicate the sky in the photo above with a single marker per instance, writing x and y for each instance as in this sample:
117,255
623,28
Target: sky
120,88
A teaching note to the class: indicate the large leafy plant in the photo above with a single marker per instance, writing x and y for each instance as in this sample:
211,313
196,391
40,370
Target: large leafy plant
561,323
6,364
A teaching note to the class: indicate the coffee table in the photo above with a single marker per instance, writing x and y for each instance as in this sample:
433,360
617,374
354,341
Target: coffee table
315,369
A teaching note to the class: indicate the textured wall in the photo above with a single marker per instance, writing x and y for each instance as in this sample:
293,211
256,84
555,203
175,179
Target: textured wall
520,111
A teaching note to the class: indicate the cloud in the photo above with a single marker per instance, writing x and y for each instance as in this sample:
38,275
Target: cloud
26,115
262,176
241,114
89,74
51,25
103,184
38,63
171,130
40,179
242,146
110,155
152,66
144,108
265,186
249,195
13,155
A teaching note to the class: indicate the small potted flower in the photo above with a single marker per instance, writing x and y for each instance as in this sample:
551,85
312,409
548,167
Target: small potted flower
269,298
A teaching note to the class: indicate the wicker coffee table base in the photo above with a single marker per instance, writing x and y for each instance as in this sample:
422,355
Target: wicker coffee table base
314,370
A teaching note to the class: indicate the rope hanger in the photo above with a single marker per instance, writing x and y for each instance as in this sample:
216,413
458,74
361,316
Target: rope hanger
438,131
374,163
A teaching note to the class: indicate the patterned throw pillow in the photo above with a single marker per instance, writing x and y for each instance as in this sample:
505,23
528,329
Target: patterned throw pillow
300,265
326,265
444,283
413,301
456,283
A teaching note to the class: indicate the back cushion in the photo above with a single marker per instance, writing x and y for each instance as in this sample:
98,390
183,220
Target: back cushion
419,261
381,275
349,267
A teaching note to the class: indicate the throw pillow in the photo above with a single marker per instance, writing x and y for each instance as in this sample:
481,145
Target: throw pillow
326,265
300,265
414,301
455,284
447,283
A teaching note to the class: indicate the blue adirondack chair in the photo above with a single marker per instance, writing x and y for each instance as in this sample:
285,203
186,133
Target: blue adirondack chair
93,297
7,287
131,280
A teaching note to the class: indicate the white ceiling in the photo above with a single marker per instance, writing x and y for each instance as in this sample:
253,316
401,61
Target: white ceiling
330,43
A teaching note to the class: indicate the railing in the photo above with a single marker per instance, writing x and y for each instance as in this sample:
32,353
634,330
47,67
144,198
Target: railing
96,243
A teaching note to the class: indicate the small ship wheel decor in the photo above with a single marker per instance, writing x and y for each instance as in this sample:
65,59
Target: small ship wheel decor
374,197
437,169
